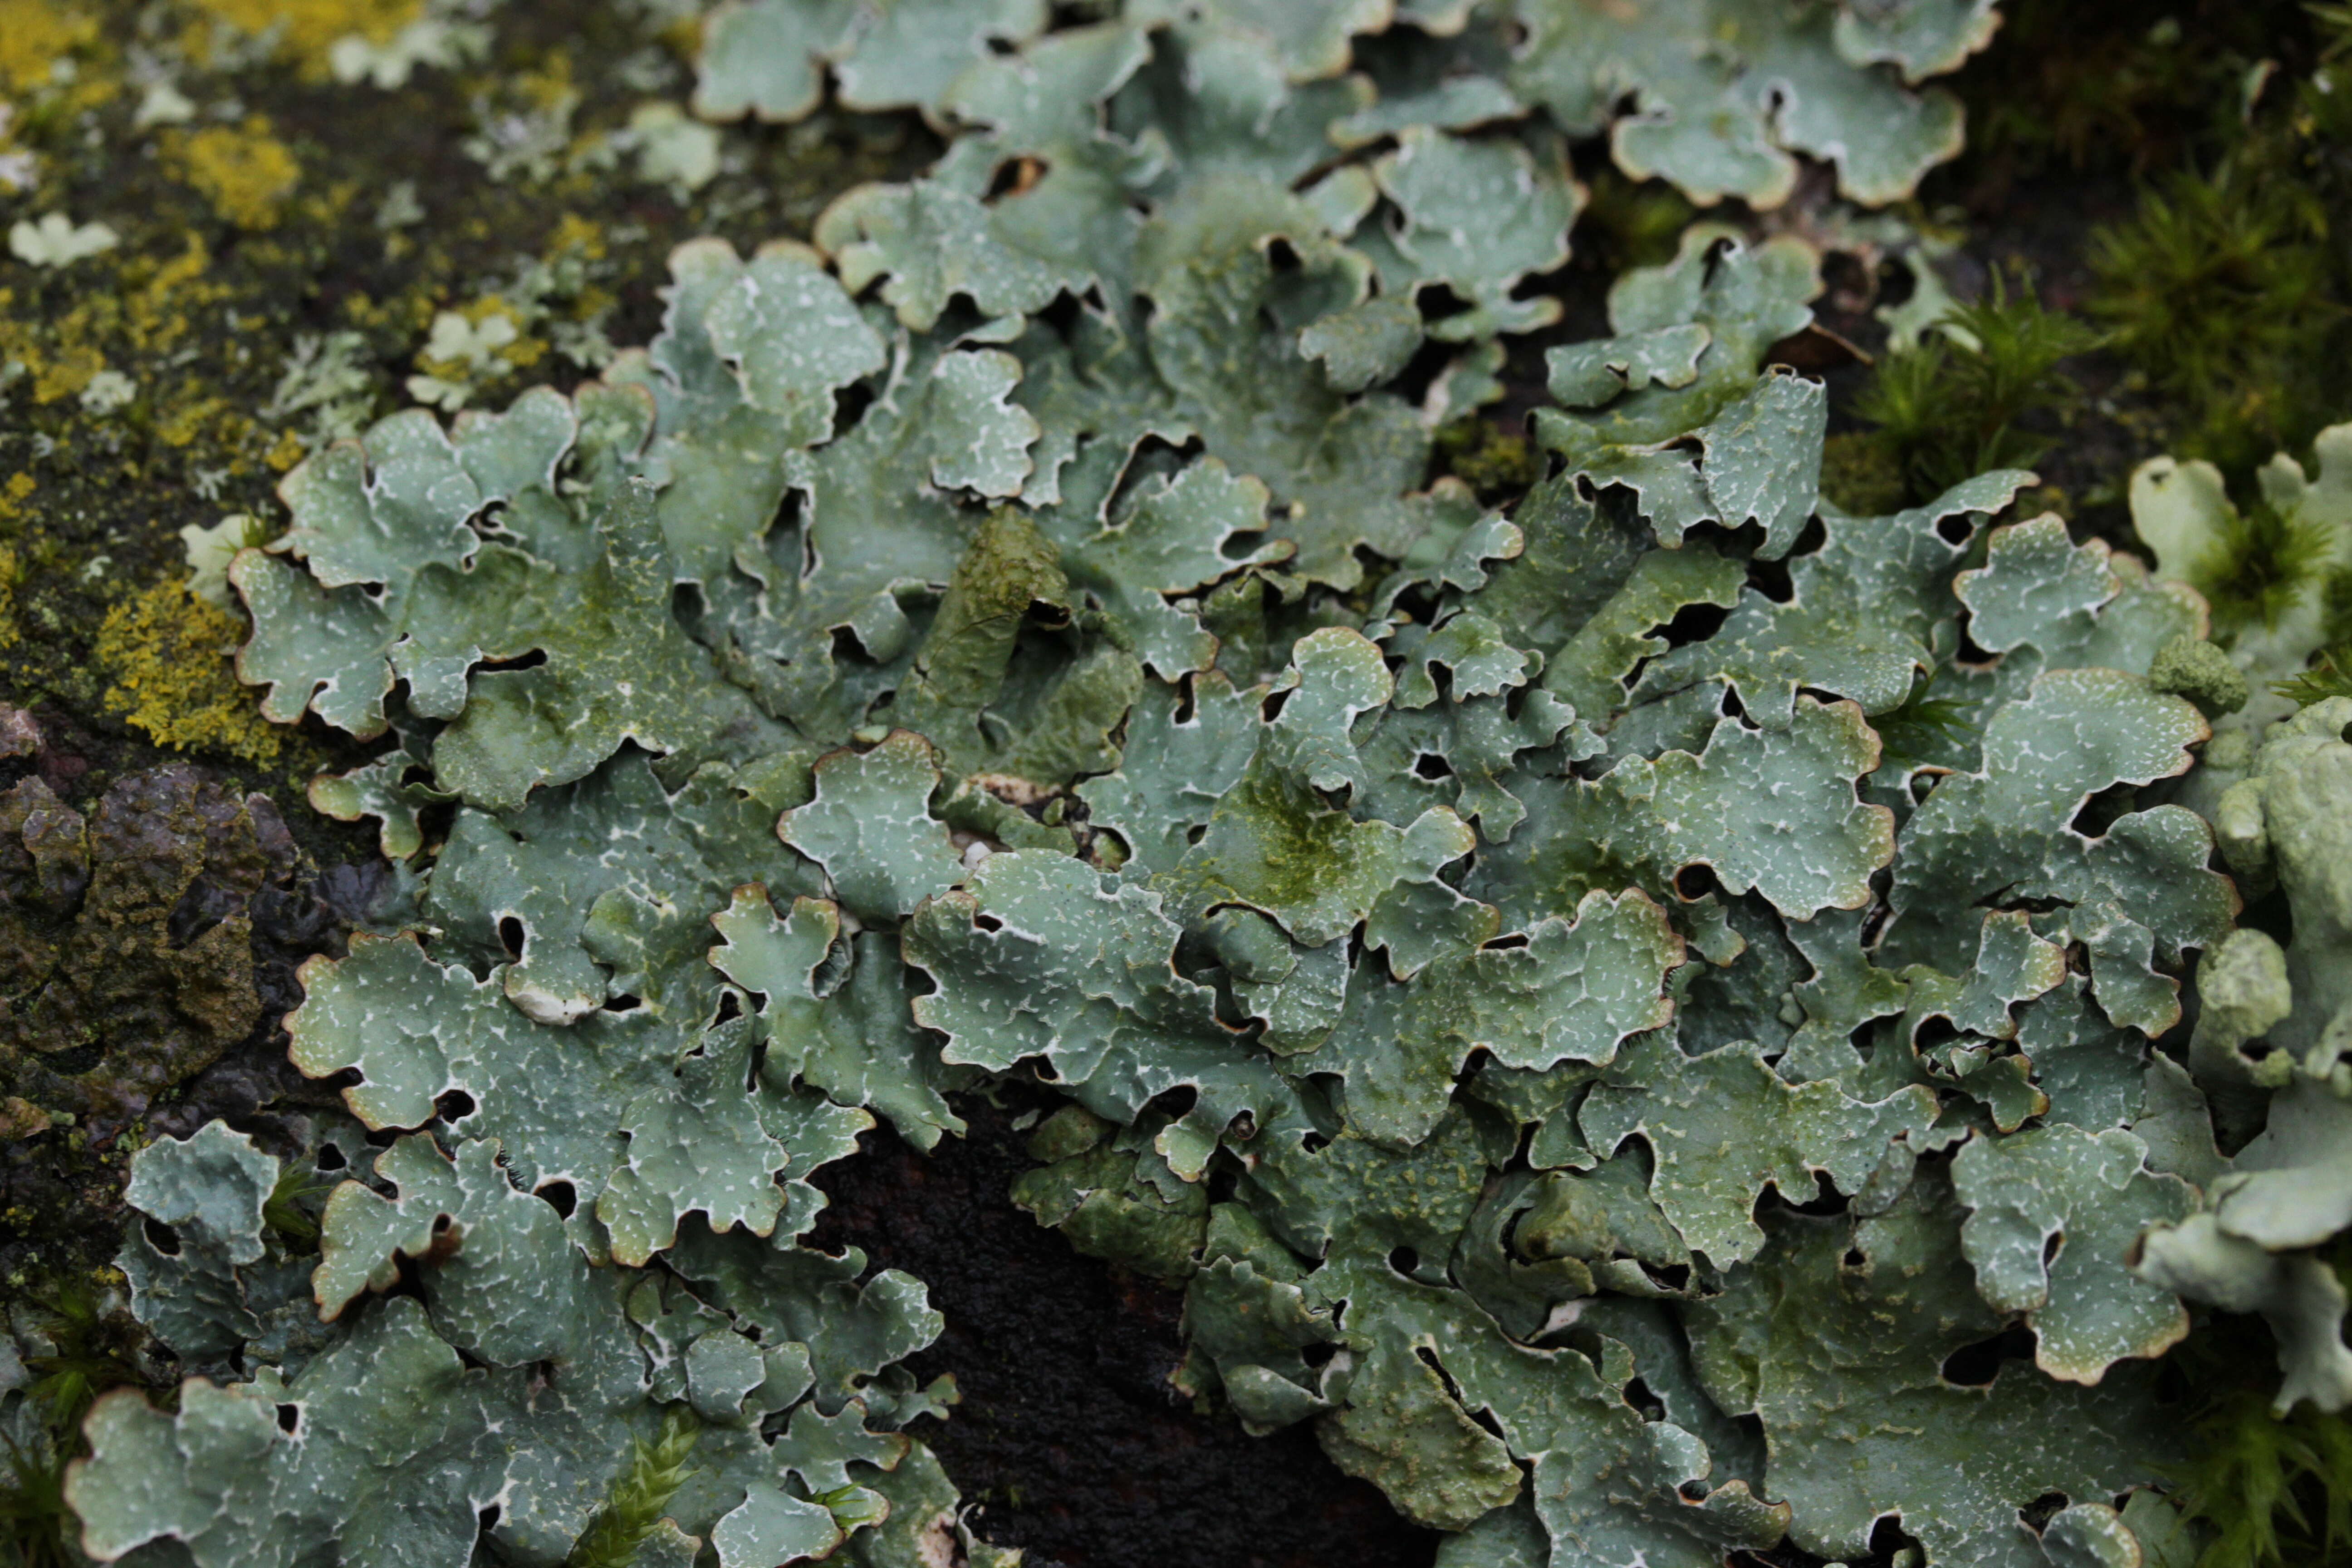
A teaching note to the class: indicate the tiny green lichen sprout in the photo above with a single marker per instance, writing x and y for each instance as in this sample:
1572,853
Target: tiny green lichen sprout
656,1469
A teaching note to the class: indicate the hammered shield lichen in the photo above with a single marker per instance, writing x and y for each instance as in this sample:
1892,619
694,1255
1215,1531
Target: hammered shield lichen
1497,962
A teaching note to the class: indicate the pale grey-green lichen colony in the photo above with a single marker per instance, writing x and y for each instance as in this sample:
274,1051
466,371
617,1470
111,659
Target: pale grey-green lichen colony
1013,636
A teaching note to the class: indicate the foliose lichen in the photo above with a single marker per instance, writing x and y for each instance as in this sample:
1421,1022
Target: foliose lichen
1634,1008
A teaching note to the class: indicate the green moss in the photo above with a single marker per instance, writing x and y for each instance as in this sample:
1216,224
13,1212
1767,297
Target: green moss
36,1528
1862,475
2259,564
1637,222
2220,292
2086,84
2330,674
1922,729
1491,461
639,1494
292,1207
2274,1491
91,1349
2327,678
1957,405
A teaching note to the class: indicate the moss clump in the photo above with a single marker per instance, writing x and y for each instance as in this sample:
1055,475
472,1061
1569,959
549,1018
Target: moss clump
2261,564
92,1343
2272,1490
246,173
1491,461
635,1506
168,654
1954,405
2102,84
1861,476
2219,291
1638,223
2328,676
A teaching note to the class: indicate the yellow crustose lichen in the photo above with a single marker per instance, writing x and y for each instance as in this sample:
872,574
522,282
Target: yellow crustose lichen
12,572
310,28
246,173
34,35
168,654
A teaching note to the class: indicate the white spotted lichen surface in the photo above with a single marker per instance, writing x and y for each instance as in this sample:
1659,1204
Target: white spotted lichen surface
1014,635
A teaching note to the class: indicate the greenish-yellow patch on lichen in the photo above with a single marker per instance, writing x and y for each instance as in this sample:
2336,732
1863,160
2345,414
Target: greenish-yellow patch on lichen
167,653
